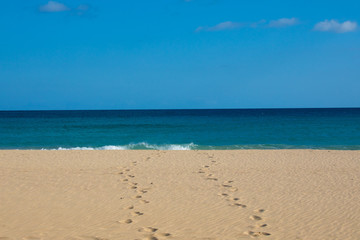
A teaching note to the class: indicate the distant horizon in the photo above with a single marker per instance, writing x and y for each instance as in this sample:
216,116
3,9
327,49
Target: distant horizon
169,109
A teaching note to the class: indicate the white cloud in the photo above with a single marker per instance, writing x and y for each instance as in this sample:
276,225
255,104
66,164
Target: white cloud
283,22
220,27
257,24
53,6
335,26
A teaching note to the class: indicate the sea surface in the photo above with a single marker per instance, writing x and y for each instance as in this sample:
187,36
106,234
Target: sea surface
182,129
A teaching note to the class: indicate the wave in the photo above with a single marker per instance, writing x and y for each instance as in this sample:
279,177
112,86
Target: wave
192,146
135,146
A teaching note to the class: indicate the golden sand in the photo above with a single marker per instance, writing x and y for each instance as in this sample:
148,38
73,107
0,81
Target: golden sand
264,194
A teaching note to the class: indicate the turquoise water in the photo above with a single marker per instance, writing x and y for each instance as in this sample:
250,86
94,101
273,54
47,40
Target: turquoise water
182,129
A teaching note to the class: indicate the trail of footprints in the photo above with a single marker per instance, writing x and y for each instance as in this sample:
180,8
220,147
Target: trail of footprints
227,193
150,233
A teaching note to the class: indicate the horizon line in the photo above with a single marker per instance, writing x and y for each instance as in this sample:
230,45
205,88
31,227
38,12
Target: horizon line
177,109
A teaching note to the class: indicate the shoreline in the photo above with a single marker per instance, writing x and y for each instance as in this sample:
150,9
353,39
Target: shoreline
189,194
185,150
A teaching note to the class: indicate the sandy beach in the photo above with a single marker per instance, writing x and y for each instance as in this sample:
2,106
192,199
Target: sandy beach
238,194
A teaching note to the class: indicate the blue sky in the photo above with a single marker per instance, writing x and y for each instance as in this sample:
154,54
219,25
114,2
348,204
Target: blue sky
92,54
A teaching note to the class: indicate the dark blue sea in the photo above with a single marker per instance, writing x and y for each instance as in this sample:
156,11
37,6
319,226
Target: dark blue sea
182,129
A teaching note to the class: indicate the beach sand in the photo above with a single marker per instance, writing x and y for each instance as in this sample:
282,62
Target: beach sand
238,194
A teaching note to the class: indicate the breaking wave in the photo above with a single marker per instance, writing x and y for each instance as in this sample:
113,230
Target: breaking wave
193,146
135,146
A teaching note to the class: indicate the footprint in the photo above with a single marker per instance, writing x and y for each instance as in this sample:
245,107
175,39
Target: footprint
144,201
151,238
223,194
137,196
256,218
126,221
164,234
238,205
129,207
257,234
258,226
148,229
137,213
260,210
212,178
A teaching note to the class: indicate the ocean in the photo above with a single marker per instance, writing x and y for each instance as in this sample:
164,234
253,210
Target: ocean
182,129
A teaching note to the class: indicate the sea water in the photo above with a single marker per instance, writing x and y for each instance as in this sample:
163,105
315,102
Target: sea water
182,129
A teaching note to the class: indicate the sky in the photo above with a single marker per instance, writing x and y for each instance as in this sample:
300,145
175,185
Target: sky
176,54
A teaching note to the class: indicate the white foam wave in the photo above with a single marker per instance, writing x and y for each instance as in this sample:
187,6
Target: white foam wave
135,146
